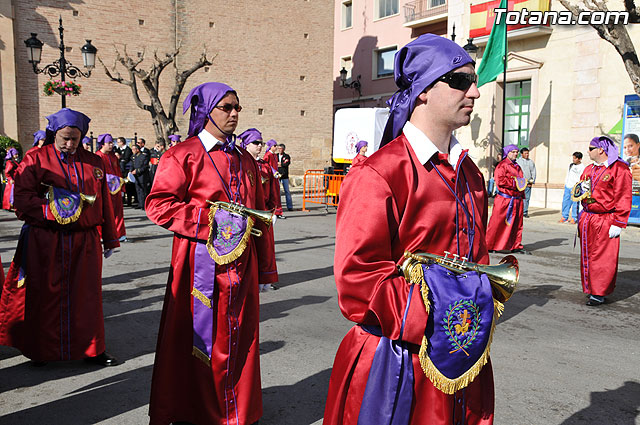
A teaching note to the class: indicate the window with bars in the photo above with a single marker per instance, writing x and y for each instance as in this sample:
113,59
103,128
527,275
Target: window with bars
386,8
517,110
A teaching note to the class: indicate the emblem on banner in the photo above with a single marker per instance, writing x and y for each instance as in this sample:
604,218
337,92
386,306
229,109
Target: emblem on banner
98,173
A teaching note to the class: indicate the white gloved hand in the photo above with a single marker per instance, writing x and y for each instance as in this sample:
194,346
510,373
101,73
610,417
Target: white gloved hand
614,231
273,222
107,253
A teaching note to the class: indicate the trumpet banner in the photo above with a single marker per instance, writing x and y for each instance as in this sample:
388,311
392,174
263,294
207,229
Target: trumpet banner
228,234
462,316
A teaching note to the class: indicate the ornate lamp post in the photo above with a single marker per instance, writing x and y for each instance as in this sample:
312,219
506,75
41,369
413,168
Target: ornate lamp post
61,67
353,84
471,48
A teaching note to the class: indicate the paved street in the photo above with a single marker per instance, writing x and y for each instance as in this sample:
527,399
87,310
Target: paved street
555,360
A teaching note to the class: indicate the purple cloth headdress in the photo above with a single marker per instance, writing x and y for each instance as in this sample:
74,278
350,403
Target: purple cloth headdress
271,143
507,149
10,153
86,140
609,147
202,99
175,137
102,139
66,117
249,136
417,66
361,144
39,135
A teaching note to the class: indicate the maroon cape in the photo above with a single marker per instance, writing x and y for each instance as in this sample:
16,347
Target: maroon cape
57,313
611,188
112,166
272,160
10,169
502,235
406,207
184,388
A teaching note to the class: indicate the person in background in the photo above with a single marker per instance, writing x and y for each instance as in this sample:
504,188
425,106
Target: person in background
529,171
573,176
114,181
361,150
38,140
174,140
86,143
11,164
284,160
270,158
140,170
156,154
604,214
632,149
124,154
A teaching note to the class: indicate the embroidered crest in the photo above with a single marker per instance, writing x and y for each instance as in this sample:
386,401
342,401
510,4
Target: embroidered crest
252,178
461,323
521,183
606,177
228,235
114,183
97,173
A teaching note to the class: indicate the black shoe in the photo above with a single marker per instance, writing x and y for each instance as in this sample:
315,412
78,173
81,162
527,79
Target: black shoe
103,359
289,209
595,301
526,216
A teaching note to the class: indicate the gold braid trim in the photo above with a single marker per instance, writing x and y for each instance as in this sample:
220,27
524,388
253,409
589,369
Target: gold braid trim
498,308
201,297
237,252
58,217
21,282
201,356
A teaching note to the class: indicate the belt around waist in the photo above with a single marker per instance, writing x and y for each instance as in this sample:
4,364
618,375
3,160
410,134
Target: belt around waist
377,331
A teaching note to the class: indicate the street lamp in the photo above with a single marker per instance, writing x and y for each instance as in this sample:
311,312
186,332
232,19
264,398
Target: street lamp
471,48
61,67
353,84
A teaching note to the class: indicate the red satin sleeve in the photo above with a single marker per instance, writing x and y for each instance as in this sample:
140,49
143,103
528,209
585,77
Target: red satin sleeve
110,238
11,170
28,198
168,205
622,182
370,289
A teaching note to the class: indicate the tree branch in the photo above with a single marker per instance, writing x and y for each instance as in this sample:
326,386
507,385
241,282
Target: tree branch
182,77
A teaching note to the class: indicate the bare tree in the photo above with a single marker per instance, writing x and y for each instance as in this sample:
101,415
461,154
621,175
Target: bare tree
614,33
164,120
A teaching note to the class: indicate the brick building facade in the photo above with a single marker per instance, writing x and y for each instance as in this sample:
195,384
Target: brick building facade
279,60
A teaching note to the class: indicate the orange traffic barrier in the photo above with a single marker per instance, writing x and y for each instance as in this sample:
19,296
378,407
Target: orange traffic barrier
320,188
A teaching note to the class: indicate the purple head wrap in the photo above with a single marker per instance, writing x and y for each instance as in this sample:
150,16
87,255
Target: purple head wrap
102,139
249,136
202,99
361,144
39,135
507,149
175,137
609,147
66,117
86,140
271,143
417,66
10,153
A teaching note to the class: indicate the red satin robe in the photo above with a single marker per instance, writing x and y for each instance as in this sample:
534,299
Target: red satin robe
183,387
10,170
32,149
57,313
271,189
112,166
272,160
406,207
359,159
500,234
611,188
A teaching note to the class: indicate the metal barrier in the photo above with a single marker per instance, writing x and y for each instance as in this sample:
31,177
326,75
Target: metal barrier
321,188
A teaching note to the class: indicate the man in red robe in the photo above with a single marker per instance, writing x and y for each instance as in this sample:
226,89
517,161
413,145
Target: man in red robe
505,226
51,305
113,177
270,157
207,365
252,143
605,213
425,194
38,140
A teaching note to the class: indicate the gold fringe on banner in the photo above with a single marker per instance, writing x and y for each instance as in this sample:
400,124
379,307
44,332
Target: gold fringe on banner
201,297
201,356
58,217
119,187
238,250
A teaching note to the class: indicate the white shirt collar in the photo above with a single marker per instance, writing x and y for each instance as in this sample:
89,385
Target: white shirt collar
209,141
424,147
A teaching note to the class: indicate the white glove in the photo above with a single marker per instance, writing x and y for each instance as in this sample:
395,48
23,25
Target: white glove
273,222
614,231
107,253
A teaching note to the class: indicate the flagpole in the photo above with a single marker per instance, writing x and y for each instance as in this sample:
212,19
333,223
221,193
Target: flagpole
504,85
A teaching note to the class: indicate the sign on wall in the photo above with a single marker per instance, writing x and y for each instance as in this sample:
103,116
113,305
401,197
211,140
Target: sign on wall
483,16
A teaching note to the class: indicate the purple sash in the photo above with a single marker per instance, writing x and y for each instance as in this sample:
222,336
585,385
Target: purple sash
114,183
460,327
22,254
66,206
389,392
510,207
204,279
13,187
228,234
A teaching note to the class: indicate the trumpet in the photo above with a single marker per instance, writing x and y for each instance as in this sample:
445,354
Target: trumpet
89,199
503,276
267,217
582,191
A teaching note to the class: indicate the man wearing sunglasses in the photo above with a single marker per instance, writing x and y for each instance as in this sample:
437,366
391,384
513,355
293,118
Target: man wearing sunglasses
207,366
424,194
605,213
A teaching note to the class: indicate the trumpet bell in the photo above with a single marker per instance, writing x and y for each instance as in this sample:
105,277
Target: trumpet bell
89,199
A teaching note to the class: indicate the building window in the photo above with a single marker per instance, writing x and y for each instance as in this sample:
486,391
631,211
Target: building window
436,3
383,60
386,8
347,63
347,14
518,103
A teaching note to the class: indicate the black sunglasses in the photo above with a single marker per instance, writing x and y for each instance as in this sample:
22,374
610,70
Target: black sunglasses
258,142
228,107
459,80
591,148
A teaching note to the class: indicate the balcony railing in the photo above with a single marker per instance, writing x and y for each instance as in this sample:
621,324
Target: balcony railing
422,9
